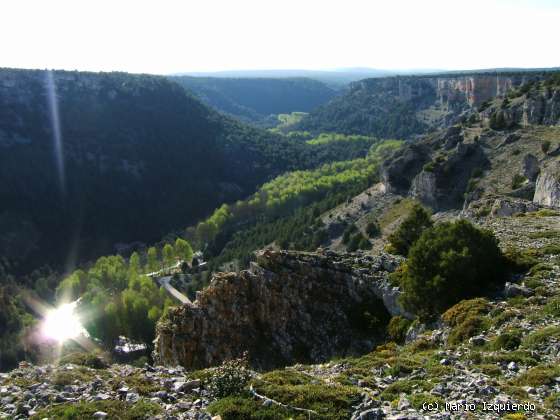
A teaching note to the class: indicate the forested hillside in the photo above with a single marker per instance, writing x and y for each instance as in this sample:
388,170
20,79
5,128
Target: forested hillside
257,100
407,106
137,157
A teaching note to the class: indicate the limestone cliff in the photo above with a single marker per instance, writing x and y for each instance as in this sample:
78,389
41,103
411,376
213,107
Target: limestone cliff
435,170
547,190
288,307
407,106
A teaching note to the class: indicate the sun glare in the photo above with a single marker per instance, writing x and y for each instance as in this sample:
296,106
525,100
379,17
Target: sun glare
62,324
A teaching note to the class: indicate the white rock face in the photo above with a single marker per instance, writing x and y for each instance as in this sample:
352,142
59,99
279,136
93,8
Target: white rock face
547,190
424,188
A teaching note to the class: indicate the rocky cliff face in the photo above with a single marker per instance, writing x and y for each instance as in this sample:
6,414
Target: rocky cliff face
406,106
547,190
449,91
289,307
435,170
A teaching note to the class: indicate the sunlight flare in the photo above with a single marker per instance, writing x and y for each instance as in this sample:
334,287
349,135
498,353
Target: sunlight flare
63,324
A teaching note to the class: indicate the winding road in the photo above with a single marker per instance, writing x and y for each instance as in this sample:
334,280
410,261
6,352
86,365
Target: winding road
165,282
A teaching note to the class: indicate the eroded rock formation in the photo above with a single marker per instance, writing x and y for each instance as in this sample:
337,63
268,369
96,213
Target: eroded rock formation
547,190
289,307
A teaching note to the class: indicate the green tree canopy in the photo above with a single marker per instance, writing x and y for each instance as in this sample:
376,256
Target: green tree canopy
448,263
183,250
410,230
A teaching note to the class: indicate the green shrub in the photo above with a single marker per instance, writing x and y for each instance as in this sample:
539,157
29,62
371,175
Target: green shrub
410,229
545,146
520,261
230,378
551,249
373,229
503,316
92,360
429,167
397,328
450,262
358,241
539,269
547,213
537,376
466,319
508,340
553,307
348,233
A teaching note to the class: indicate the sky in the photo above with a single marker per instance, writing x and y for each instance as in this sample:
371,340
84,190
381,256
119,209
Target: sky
165,36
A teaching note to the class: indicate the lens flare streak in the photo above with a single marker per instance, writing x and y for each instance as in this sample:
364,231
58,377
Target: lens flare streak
57,134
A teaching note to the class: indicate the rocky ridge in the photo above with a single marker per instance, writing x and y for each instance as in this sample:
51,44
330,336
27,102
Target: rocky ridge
288,307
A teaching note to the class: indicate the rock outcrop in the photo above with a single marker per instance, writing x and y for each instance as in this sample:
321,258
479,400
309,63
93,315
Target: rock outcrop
289,307
436,171
547,190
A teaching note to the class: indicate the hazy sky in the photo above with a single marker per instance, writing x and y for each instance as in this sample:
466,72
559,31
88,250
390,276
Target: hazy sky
205,35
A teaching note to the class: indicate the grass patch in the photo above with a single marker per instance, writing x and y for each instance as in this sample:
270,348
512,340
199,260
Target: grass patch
539,375
552,308
245,407
466,319
503,316
552,249
540,336
116,410
68,377
508,340
521,260
361,367
141,384
489,369
545,234
91,360
397,328
399,209
393,391
546,213
332,401
521,357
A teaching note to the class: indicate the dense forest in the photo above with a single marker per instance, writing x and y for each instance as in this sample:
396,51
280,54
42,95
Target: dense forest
366,111
258,100
138,157
286,210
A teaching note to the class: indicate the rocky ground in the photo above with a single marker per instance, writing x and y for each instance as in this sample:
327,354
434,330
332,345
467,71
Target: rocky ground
47,391
492,357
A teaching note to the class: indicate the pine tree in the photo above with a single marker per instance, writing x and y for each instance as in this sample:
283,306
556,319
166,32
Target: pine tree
183,250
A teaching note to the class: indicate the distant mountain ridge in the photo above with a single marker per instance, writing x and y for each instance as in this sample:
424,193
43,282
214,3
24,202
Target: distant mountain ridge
406,106
258,100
